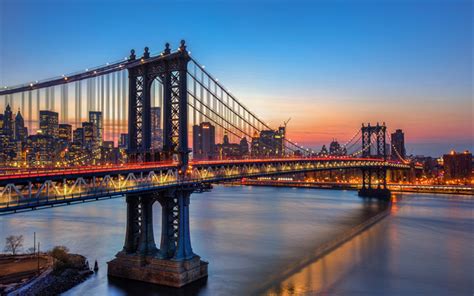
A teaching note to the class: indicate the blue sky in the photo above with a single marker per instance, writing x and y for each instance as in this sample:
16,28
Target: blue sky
330,65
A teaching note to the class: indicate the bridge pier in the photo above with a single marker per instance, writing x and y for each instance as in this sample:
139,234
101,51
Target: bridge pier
380,191
174,263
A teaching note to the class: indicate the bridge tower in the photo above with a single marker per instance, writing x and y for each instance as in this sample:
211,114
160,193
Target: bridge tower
374,136
171,70
174,263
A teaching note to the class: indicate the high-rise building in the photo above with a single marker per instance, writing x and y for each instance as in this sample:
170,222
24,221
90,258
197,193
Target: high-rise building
95,117
89,135
8,122
457,166
398,145
41,150
244,147
156,131
228,150
269,143
49,123
123,142
335,148
203,141
21,132
65,133
78,136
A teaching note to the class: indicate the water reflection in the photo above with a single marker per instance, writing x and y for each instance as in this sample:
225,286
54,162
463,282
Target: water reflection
423,248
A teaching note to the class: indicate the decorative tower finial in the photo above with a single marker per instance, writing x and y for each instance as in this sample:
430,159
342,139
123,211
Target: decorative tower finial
182,46
132,55
167,48
146,53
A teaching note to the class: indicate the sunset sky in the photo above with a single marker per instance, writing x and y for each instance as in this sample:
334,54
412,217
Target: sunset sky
329,65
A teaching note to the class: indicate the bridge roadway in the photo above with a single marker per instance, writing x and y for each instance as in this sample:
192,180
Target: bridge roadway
23,189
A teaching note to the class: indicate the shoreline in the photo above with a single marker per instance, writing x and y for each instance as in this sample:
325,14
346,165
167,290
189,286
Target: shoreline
53,280
354,187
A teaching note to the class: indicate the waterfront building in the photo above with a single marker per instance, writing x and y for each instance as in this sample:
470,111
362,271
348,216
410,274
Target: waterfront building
457,166
398,145
48,122
203,141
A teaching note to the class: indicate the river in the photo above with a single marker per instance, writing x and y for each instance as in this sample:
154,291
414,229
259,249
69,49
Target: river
252,237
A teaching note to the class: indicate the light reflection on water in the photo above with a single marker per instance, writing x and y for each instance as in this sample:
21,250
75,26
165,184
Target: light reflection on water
425,247
250,236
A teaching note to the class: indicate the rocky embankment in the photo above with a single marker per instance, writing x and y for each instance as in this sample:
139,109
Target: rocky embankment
64,275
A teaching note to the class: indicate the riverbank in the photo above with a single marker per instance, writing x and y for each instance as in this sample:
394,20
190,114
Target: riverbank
435,189
19,270
56,277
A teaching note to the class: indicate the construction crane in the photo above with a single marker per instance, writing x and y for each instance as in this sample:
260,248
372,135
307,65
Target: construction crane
286,122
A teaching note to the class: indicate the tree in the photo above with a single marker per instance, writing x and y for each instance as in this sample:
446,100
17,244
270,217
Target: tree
13,243
60,253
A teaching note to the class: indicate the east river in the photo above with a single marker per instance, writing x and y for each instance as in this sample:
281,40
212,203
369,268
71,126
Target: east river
261,240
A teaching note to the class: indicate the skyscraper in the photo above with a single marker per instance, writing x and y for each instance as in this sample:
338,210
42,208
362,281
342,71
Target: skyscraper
156,131
49,123
398,145
78,136
8,122
95,117
89,135
204,141
21,132
65,133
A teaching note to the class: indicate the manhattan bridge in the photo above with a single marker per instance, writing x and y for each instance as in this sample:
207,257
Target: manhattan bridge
125,99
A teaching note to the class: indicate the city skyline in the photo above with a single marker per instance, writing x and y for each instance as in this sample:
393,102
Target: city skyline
404,66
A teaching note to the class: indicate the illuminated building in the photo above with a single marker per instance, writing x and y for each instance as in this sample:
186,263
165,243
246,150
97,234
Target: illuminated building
324,151
65,133
228,150
89,133
156,131
123,141
20,131
203,141
336,149
78,136
41,150
398,145
269,143
95,118
7,122
110,154
457,166
49,123
244,147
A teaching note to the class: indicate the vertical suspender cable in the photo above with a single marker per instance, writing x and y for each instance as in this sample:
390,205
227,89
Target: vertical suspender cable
30,110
